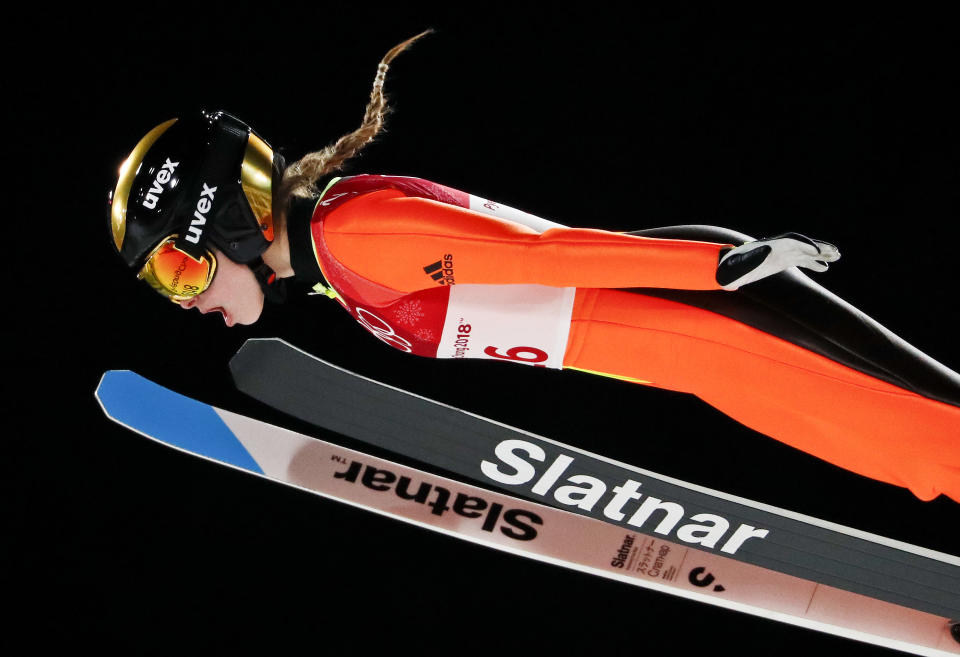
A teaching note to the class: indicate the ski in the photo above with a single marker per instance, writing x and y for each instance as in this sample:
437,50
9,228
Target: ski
558,475
510,524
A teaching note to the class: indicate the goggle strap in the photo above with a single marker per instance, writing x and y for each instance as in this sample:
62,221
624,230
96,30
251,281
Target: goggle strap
195,251
219,167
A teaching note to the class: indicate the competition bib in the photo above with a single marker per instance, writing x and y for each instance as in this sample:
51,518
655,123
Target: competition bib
520,323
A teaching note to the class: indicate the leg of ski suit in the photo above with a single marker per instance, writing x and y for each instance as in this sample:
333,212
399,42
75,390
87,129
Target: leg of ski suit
789,359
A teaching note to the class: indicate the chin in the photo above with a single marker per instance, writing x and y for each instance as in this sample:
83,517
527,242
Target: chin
249,316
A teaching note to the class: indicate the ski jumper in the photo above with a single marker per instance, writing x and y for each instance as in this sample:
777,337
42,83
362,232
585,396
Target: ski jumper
437,272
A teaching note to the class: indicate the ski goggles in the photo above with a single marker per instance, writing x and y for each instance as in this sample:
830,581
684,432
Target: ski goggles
175,274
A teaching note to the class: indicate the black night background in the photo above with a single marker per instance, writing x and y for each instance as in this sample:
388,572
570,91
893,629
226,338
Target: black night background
839,126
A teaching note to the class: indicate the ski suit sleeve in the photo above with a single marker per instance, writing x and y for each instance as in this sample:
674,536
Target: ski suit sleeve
390,238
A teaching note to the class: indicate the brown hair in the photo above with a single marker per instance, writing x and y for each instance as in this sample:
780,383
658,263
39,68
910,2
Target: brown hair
300,178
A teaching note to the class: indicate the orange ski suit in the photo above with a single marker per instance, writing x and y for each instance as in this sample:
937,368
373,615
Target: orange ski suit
391,247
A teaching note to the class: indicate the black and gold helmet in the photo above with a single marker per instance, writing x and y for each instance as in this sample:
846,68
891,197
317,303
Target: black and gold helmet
202,180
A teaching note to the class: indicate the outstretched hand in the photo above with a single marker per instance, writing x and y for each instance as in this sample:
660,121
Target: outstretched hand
755,260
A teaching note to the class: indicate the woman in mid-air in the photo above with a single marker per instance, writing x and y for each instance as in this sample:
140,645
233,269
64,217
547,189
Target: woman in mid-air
209,216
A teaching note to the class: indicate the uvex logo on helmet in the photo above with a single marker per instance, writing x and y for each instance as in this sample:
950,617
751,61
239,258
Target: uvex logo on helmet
200,214
163,177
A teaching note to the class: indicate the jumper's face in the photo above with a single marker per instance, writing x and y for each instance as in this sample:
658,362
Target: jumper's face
234,293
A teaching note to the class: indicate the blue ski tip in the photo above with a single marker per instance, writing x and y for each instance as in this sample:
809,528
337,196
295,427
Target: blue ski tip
171,418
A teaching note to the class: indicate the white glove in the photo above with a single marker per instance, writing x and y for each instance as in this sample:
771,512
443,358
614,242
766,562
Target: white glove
755,260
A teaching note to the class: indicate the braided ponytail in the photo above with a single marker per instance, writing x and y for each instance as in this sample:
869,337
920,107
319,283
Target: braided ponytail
300,178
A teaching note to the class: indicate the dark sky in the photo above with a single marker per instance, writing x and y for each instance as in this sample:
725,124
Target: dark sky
842,127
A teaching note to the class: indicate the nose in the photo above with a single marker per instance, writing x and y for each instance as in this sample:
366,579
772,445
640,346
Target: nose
187,304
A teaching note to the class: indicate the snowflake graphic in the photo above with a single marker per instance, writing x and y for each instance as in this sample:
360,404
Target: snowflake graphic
426,335
409,313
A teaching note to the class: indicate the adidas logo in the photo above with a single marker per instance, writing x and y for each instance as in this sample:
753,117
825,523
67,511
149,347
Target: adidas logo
442,270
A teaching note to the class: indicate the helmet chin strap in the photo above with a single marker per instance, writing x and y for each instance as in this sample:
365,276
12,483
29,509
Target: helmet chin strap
273,288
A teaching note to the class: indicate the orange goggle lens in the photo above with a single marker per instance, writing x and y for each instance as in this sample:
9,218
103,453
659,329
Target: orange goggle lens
176,275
